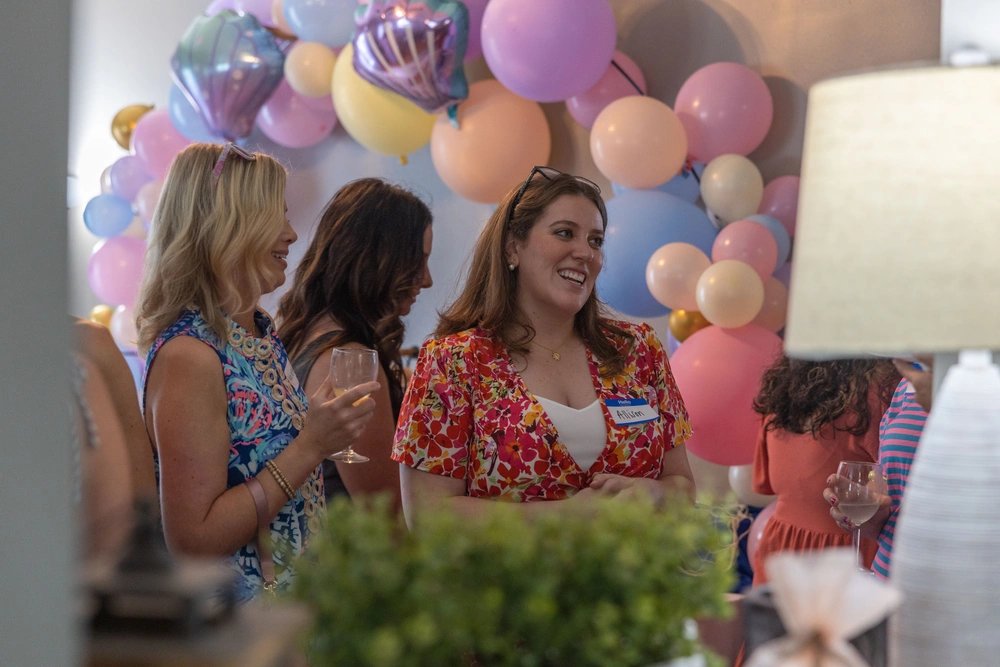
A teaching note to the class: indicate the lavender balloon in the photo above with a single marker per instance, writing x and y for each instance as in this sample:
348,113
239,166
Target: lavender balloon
415,49
228,65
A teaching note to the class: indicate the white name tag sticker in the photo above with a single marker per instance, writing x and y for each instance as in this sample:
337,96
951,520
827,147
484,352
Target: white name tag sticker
629,411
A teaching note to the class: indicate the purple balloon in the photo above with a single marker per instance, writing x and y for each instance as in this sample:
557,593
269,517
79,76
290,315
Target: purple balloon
287,119
128,175
228,65
474,48
114,269
415,50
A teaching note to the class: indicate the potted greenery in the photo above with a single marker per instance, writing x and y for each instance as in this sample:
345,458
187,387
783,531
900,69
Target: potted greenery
616,585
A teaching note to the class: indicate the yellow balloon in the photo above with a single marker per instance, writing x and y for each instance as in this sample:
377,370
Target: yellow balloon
683,323
101,314
124,122
377,119
309,68
730,293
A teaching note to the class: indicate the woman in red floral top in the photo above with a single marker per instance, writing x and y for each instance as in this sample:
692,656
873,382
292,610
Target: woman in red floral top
528,392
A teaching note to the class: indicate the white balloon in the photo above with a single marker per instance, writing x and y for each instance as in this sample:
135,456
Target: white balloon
122,328
741,481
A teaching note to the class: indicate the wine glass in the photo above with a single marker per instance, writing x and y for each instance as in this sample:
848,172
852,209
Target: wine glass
349,367
861,487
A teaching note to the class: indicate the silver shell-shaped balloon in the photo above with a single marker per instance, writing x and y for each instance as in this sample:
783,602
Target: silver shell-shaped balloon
228,65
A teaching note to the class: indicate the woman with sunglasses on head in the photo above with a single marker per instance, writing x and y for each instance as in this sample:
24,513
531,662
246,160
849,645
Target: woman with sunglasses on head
238,447
361,274
528,391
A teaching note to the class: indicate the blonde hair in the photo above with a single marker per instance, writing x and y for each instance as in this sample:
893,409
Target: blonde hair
210,236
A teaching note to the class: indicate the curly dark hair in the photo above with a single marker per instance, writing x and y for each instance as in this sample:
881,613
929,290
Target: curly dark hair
804,396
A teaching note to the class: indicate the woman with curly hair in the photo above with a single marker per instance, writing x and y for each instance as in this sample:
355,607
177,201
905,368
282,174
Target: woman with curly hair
814,414
360,275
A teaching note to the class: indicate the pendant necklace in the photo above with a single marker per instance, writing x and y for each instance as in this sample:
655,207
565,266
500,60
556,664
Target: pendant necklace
553,352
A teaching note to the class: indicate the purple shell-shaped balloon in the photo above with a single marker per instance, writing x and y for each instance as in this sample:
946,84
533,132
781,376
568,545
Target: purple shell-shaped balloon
415,49
228,65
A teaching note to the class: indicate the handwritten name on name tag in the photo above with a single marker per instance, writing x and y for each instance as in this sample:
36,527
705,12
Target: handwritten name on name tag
629,411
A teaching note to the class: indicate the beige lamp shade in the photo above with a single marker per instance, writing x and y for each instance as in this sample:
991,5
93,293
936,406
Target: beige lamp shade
897,246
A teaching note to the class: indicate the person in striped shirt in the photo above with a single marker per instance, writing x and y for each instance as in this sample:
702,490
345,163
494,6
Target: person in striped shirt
899,435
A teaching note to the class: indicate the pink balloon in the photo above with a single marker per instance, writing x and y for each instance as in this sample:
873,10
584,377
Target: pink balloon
474,44
757,527
725,108
114,269
146,200
781,201
718,372
747,242
548,51
156,141
287,119
613,85
217,6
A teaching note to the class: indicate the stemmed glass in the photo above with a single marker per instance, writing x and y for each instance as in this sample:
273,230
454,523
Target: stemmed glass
349,367
861,487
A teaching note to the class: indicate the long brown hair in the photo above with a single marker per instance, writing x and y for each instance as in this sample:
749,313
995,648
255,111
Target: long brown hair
489,297
365,258
799,396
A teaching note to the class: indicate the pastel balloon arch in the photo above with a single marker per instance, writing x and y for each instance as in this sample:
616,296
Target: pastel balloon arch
694,231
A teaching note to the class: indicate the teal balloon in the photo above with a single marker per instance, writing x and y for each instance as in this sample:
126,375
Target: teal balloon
639,222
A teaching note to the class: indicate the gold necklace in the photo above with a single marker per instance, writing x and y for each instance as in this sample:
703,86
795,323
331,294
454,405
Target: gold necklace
555,353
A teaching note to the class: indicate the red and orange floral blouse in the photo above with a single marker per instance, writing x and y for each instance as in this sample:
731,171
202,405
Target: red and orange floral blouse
468,415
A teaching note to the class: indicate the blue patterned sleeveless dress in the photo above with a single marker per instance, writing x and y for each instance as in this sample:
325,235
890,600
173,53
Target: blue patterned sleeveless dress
266,411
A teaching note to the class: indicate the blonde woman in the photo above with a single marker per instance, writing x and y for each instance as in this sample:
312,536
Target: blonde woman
237,444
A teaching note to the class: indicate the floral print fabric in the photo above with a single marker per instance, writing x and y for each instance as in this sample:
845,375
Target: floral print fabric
266,412
468,415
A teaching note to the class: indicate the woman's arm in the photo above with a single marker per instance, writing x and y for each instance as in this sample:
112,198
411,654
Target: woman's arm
380,474
675,477
186,415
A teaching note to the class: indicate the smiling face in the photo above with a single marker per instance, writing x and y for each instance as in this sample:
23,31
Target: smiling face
276,262
424,279
559,260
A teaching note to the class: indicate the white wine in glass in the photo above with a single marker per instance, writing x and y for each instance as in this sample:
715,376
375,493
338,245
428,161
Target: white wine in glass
349,367
861,488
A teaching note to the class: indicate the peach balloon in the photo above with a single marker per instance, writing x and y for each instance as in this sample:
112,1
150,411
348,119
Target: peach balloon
309,68
732,187
638,142
499,138
672,273
729,293
741,481
775,309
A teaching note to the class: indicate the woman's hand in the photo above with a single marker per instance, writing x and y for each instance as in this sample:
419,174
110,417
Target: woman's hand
619,486
870,528
333,423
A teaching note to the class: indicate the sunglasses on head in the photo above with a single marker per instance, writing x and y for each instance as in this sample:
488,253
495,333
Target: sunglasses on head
227,150
550,174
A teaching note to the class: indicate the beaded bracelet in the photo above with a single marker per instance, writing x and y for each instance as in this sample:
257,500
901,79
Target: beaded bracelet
280,478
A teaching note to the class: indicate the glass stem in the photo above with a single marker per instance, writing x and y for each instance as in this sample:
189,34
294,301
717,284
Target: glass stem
856,539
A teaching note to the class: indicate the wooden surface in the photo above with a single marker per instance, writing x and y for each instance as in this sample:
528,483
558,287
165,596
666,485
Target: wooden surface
260,635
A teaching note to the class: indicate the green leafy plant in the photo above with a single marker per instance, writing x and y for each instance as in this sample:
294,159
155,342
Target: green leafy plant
611,586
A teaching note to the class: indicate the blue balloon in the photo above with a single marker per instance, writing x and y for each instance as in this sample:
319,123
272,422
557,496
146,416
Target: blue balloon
107,215
779,233
329,22
186,117
686,185
639,222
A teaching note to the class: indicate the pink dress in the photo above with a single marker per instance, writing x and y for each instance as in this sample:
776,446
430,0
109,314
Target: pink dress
795,466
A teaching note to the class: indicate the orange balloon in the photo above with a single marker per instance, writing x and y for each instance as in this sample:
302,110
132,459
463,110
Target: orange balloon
499,138
683,323
730,293
772,314
638,142
124,122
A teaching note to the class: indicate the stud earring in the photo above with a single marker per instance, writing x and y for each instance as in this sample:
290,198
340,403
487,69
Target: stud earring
511,266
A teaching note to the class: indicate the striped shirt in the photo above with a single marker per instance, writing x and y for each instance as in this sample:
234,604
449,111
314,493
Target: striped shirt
899,434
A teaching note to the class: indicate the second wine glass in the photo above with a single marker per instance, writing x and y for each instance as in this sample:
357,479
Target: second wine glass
861,489
349,367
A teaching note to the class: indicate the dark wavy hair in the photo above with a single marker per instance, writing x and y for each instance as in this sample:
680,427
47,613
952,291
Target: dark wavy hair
804,396
365,258
489,297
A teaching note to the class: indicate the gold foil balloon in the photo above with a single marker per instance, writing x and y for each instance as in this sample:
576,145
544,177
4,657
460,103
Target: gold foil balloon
124,122
683,323
101,314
